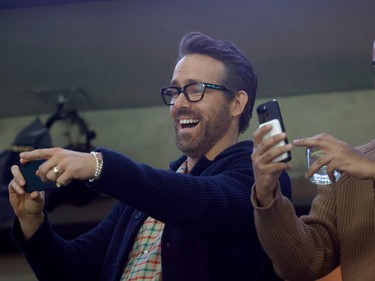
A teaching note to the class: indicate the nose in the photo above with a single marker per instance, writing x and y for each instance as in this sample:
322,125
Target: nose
181,101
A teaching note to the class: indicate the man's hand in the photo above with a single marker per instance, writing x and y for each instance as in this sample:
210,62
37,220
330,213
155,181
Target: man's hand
28,207
62,165
266,172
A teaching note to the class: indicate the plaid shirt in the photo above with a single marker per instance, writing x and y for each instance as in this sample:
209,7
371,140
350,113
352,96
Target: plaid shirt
144,262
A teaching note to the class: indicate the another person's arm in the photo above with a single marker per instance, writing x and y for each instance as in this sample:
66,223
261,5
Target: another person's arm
298,250
266,172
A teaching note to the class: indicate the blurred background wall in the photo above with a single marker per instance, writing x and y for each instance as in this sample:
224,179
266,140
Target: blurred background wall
146,134
109,58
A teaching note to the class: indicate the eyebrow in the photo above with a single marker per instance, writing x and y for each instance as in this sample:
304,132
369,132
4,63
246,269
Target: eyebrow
174,83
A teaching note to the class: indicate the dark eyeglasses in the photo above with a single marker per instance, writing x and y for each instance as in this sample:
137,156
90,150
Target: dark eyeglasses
193,92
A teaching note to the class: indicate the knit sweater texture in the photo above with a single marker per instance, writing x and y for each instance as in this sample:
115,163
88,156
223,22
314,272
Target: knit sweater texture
209,229
339,230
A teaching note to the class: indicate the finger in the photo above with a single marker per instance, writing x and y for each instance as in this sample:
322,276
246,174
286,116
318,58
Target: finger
274,140
269,148
15,187
276,151
52,175
332,171
331,176
260,133
320,140
18,177
315,167
37,196
308,142
44,153
49,171
63,180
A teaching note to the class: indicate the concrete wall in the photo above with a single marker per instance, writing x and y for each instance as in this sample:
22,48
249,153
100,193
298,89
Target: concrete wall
146,134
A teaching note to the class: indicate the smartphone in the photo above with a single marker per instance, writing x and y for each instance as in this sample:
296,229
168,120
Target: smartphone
33,182
269,113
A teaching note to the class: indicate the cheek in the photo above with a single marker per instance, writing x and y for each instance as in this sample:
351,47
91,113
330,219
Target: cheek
171,110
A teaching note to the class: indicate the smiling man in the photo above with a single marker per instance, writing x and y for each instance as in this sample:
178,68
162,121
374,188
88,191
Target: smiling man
192,222
203,127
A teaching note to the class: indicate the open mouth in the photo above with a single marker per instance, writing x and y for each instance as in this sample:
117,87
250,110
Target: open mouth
188,123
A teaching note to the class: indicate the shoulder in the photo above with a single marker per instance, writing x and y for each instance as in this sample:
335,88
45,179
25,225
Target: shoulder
238,154
368,148
244,148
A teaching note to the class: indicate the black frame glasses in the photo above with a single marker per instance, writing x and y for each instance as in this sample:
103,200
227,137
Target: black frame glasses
193,92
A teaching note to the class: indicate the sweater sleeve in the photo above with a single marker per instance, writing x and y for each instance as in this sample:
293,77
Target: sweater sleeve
53,258
213,199
303,248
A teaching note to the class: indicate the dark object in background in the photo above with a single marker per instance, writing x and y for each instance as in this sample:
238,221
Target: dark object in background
36,135
76,193
33,136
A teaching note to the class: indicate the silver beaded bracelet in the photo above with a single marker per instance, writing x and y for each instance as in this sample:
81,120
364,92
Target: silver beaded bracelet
99,166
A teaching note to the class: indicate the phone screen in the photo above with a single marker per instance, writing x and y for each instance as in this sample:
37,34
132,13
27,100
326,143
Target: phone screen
33,182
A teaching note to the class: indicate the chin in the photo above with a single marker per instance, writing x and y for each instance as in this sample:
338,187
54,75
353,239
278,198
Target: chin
186,148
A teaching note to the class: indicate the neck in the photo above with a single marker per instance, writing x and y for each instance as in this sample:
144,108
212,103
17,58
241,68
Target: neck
227,141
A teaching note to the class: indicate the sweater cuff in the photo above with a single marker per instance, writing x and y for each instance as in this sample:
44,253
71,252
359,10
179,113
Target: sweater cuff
255,202
273,216
18,237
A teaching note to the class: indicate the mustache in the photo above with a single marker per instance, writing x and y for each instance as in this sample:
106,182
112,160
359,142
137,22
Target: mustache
187,112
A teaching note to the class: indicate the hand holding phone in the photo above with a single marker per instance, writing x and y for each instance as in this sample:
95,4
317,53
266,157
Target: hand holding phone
269,113
33,182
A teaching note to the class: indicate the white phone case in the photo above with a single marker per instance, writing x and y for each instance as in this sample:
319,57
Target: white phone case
276,129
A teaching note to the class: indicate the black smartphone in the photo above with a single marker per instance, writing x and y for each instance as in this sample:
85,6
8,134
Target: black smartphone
269,113
33,182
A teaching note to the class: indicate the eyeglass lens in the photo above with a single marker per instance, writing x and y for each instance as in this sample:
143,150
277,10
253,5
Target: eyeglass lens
192,92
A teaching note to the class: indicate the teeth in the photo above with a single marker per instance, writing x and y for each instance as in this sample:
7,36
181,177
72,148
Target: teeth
189,121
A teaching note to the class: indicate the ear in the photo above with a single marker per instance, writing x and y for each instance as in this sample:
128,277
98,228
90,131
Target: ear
239,103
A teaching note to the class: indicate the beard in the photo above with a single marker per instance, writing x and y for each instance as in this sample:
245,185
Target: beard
212,129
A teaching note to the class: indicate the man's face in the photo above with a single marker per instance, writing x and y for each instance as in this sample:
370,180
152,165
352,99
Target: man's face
199,125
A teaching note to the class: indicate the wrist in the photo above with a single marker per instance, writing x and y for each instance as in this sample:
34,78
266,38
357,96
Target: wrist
30,224
98,165
265,199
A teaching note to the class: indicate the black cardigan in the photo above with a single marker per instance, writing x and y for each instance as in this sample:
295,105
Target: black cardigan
209,230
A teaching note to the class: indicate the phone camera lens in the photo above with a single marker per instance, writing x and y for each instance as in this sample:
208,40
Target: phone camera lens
263,109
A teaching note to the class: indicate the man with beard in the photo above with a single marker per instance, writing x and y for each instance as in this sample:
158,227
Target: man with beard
192,222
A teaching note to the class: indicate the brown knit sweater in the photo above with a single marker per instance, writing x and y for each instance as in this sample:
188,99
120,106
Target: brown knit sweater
339,230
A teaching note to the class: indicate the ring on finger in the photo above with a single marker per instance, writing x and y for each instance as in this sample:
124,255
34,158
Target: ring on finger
56,171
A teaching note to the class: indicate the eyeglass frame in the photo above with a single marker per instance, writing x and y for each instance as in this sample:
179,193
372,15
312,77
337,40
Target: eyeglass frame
183,90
